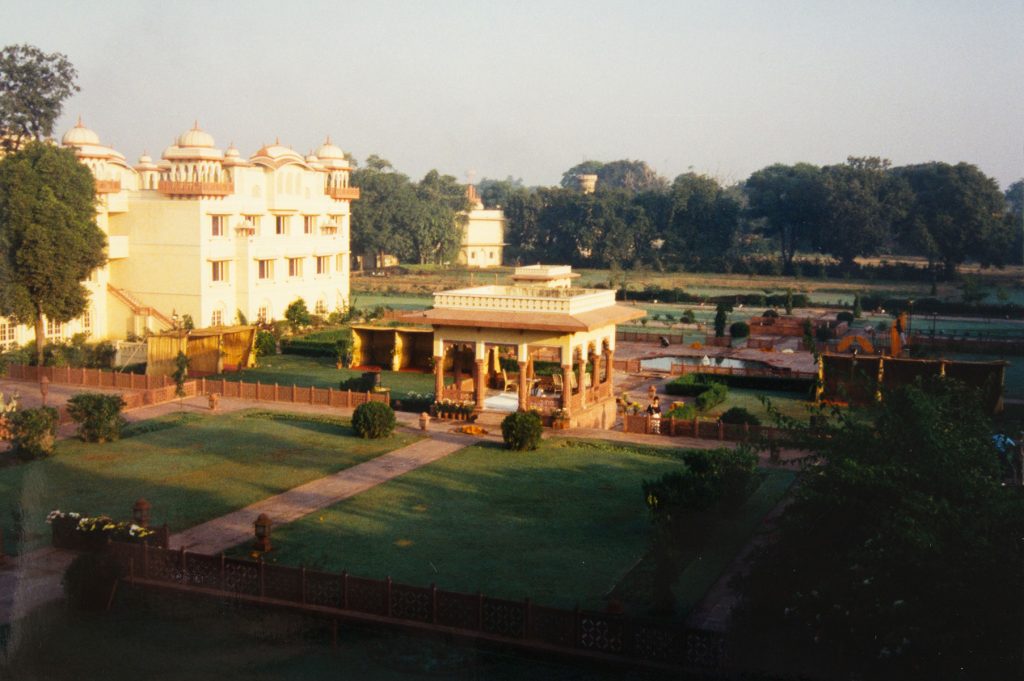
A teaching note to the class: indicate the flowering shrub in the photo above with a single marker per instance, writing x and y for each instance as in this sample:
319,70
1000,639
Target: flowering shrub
450,408
412,401
100,525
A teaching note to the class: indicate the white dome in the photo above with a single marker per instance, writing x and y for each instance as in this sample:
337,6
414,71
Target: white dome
232,152
195,138
329,152
79,136
145,159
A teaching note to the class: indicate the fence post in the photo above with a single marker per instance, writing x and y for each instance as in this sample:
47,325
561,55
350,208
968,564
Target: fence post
261,576
367,395
149,381
344,590
302,574
145,559
224,387
479,610
348,398
275,392
184,568
696,427
223,584
746,432
293,393
131,570
433,603
721,430
257,391
527,618
388,595
330,397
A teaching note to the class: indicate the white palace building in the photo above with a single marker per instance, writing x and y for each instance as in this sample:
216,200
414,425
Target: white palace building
210,234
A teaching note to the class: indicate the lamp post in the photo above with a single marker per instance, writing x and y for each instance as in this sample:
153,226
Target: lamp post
262,528
140,512
44,388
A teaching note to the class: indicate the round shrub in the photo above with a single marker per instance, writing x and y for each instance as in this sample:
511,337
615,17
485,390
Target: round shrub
682,411
740,415
521,430
266,344
845,316
739,330
98,416
33,432
770,313
372,420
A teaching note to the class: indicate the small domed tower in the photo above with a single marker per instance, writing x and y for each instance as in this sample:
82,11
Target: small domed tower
105,163
333,160
195,167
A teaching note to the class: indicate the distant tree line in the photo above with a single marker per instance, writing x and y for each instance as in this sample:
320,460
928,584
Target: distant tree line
420,222
945,213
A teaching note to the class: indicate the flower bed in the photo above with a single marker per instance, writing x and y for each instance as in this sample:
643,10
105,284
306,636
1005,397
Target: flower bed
450,409
83,533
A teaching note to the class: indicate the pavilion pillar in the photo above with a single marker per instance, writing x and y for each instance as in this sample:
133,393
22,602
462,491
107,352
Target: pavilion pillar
610,363
479,390
524,387
566,385
438,377
581,371
595,379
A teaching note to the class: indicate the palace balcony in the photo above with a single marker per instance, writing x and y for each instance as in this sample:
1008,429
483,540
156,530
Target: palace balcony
197,189
343,193
108,186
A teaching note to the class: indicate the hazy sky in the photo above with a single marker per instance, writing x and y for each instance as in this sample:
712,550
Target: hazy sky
529,89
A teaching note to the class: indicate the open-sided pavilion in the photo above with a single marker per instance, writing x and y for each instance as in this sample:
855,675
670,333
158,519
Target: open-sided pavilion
539,343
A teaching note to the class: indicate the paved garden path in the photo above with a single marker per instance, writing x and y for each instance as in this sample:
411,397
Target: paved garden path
235,528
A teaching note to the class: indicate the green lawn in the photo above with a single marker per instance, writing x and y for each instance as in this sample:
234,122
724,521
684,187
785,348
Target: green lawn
321,372
561,525
201,468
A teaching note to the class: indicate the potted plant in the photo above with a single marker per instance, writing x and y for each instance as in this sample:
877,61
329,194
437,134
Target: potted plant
560,419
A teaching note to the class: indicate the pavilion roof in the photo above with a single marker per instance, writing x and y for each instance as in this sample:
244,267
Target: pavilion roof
532,321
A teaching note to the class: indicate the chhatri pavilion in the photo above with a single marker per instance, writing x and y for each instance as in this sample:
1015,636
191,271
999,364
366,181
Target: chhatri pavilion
539,343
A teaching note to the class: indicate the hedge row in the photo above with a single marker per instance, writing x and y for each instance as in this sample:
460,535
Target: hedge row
792,385
308,348
930,305
678,295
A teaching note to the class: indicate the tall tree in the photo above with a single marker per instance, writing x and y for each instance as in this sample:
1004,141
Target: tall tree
900,556
633,176
384,213
33,87
497,193
1015,219
49,241
703,220
862,201
791,200
956,214
440,218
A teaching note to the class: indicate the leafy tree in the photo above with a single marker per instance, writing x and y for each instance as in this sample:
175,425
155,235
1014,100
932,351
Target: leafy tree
633,176
382,218
496,193
297,314
862,201
49,241
33,87
791,200
439,218
858,311
722,311
1014,218
700,219
956,214
180,374
900,555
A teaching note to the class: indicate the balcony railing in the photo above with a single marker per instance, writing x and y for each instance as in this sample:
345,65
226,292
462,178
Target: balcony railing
172,188
108,186
343,193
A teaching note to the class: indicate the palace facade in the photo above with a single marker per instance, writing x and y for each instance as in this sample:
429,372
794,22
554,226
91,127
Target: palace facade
207,233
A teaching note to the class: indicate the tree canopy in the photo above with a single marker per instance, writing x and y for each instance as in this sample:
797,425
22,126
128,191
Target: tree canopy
49,241
633,176
33,87
900,555
419,222
792,201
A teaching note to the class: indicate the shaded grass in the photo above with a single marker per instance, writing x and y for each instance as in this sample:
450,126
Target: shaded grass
320,372
190,471
561,524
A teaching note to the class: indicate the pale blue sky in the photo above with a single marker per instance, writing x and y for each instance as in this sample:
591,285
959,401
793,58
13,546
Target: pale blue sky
529,88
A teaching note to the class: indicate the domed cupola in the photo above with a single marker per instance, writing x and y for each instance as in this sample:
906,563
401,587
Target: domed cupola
333,160
195,167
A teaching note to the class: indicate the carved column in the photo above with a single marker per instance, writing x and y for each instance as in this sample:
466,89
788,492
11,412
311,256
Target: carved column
438,377
479,390
580,371
610,363
566,385
524,387
595,379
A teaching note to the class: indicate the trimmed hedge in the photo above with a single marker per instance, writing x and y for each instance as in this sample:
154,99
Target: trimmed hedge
308,348
739,330
793,385
687,385
98,416
713,396
373,420
521,430
739,415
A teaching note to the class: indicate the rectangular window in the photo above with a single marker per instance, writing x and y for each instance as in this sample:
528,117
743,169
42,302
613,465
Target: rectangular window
252,222
217,318
280,224
54,329
261,314
87,322
294,267
219,270
218,225
308,223
7,328
323,264
265,269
